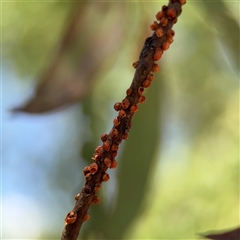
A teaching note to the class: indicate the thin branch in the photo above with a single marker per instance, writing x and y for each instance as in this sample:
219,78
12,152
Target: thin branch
104,156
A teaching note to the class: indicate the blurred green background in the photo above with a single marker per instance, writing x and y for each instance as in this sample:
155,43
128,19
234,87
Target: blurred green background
64,65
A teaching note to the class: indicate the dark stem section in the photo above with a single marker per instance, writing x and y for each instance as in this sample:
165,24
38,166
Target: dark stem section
104,156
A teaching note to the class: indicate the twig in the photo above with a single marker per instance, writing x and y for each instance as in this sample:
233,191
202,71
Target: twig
104,156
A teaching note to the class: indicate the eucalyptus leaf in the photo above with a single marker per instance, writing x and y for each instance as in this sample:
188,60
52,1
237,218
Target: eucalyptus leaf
227,30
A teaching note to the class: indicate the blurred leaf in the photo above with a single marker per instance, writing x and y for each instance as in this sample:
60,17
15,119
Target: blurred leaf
80,54
224,235
227,29
199,93
30,33
97,126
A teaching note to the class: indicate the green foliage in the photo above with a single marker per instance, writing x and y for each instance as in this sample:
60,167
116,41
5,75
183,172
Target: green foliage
27,29
178,172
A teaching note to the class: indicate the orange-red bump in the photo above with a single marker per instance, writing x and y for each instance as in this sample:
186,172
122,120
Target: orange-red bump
146,83
96,156
129,92
165,45
134,108
164,21
114,132
125,103
141,99
71,217
97,187
95,200
114,154
107,161
77,196
159,32
117,106
154,26
103,137
86,170
106,177
158,54
114,164
125,136
155,68
86,217
93,168
175,20
99,148
88,176
182,2
106,146
135,64
140,90
170,33
150,76
171,13
122,114
114,147
159,15
116,121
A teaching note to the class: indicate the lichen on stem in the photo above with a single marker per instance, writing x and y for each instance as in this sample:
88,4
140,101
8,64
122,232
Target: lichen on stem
104,156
